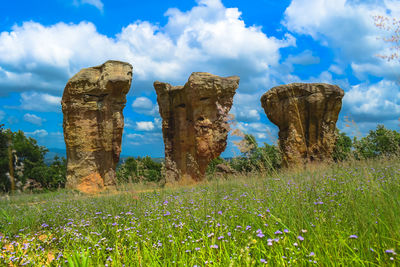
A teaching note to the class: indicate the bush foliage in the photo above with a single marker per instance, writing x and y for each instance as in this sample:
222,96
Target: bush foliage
253,158
343,146
381,142
28,162
261,159
140,169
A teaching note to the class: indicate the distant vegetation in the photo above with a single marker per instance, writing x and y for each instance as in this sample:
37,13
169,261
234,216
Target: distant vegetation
29,164
140,169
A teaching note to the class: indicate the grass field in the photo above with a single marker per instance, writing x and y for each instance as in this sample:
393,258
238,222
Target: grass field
343,215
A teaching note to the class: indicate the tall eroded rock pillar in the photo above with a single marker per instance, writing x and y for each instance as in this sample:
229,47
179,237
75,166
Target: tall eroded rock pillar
195,123
92,104
306,114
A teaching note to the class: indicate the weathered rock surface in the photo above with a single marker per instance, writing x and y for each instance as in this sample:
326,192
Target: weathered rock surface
306,115
92,104
224,169
195,123
31,184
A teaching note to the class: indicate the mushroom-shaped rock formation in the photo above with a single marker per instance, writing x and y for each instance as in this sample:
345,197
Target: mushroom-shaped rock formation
195,123
306,114
92,104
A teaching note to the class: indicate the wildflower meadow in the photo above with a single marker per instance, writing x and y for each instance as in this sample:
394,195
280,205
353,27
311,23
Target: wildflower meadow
340,215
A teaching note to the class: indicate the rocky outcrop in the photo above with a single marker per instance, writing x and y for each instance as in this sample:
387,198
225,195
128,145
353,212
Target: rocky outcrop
224,169
306,115
92,104
31,185
195,123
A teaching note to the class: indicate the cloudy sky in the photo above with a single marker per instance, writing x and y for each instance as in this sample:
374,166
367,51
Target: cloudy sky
265,42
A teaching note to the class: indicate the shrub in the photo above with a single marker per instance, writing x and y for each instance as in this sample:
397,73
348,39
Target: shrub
4,182
139,169
343,146
255,158
28,162
211,168
381,142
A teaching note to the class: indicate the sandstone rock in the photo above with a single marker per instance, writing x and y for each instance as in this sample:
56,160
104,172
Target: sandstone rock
194,123
32,185
224,169
92,104
306,115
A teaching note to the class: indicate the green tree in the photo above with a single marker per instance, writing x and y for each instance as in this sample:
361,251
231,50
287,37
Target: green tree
211,168
269,156
127,171
149,169
255,158
30,154
4,181
139,169
28,162
380,142
343,146
53,176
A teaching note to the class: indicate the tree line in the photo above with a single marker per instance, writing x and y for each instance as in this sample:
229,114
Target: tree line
23,166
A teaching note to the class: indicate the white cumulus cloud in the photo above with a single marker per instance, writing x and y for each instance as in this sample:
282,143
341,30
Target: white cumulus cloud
144,126
141,139
209,37
40,102
144,105
2,115
375,102
247,107
32,118
347,27
40,133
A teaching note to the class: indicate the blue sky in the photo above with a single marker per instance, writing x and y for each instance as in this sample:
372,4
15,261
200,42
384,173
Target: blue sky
265,42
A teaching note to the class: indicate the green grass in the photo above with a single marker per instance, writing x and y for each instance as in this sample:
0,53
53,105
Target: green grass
343,215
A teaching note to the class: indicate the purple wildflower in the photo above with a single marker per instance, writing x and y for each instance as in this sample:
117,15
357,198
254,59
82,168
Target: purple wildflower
390,251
